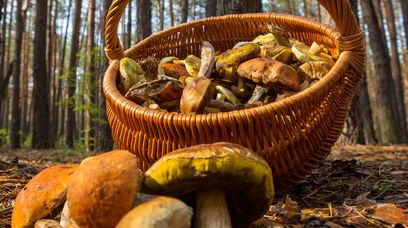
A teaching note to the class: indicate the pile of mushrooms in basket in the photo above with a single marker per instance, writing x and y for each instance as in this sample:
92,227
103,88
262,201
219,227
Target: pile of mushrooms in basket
204,186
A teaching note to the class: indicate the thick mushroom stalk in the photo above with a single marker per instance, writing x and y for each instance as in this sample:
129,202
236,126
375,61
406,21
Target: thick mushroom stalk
199,92
211,209
209,171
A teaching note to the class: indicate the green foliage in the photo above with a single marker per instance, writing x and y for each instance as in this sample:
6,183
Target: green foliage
26,139
4,136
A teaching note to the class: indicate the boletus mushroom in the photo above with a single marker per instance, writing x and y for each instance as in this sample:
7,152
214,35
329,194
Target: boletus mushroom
227,179
270,72
199,92
44,194
47,223
103,188
160,212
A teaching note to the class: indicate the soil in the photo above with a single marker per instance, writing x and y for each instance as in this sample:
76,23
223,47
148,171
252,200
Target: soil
356,186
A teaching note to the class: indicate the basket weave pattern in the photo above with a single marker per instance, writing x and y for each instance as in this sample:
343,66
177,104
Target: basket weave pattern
293,135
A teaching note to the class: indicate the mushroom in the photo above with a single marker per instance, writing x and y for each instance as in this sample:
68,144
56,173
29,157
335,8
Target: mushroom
227,179
130,73
168,59
270,72
161,212
42,196
229,95
66,220
313,70
174,70
198,92
281,36
103,188
47,223
162,89
233,57
150,68
192,63
259,91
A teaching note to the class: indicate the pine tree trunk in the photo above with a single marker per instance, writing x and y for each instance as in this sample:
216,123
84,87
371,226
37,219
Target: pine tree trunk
184,10
238,6
90,83
2,63
211,8
129,25
54,85
41,88
396,71
25,121
3,42
404,10
144,19
60,127
104,140
386,105
305,8
171,13
159,9
16,109
288,7
71,123
193,10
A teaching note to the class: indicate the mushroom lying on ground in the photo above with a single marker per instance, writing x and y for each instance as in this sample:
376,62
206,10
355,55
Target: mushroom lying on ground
227,179
66,220
42,195
161,212
198,93
47,223
103,189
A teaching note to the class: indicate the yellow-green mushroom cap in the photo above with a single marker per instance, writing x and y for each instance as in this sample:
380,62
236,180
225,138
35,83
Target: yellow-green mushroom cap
244,176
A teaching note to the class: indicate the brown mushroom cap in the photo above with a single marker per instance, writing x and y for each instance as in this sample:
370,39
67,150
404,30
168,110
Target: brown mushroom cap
270,72
161,212
244,176
196,95
103,189
42,195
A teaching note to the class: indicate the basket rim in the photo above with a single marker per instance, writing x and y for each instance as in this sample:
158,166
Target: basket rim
343,61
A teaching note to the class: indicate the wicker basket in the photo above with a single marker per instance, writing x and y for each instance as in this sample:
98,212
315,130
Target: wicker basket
293,135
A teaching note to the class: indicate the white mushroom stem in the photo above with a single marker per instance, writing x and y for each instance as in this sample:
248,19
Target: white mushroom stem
211,210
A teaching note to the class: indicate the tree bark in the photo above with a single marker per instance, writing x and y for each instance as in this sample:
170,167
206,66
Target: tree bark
288,7
305,8
238,6
129,25
16,109
211,8
404,10
59,123
159,8
193,10
41,88
396,71
69,137
387,108
2,63
104,140
3,42
184,10
144,19
90,79
171,13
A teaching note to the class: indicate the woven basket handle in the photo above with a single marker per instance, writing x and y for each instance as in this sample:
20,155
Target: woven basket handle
340,11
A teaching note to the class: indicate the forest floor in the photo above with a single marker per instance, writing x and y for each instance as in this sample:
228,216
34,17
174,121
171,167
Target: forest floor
357,186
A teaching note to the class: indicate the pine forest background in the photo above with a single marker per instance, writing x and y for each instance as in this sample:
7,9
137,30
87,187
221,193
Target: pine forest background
52,62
